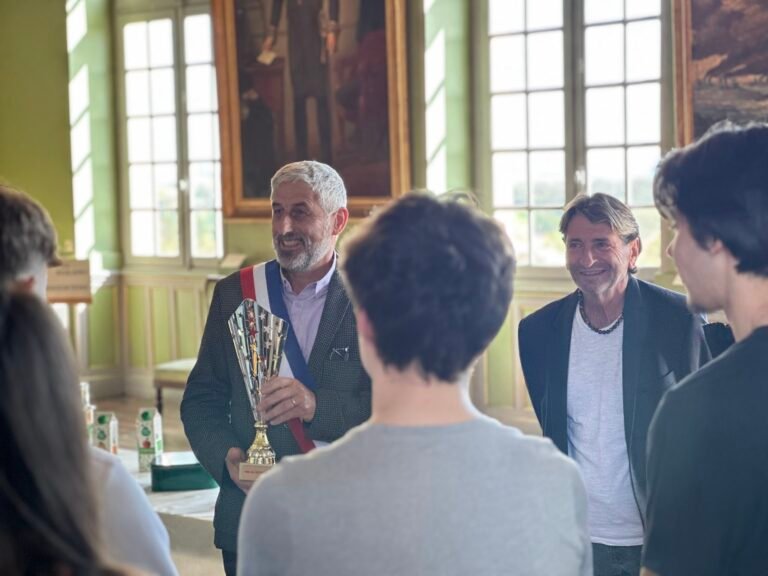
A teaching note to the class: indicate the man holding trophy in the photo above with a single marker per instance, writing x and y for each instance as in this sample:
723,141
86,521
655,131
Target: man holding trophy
299,384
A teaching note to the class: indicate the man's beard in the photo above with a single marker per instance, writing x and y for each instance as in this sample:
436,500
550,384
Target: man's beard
307,258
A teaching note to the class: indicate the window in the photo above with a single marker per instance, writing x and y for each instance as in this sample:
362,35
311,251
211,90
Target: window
171,138
575,95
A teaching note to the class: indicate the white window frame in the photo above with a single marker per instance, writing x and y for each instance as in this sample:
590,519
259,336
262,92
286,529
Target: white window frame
575,115
126,12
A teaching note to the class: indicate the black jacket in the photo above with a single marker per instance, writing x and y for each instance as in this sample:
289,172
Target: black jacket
663,343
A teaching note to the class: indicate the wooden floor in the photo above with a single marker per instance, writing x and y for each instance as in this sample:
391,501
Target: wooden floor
126,409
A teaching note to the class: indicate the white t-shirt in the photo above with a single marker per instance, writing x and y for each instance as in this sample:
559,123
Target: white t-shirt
132,533
596,438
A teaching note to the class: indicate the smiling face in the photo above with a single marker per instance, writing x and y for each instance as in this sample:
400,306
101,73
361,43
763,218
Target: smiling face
597,257
303,235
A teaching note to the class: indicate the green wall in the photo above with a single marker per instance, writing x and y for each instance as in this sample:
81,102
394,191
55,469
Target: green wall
34,126
451,21
96,206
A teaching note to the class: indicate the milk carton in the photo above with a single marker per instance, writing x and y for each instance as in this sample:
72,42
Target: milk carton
105,431
149,436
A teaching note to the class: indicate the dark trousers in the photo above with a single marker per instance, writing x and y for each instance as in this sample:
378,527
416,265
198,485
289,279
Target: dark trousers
323,125
616,560
230,562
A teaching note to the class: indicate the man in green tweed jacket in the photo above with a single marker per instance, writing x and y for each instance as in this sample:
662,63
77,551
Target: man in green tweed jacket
309,213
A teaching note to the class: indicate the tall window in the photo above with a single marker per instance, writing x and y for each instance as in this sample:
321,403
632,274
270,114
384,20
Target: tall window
171,142
575,100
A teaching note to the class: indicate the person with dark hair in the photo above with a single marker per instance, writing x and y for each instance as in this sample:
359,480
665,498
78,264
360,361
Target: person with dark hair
48,512
133,532
596,364
322,389
708,443
27,243
428,485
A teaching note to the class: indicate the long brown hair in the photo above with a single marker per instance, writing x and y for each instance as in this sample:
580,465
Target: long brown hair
48,516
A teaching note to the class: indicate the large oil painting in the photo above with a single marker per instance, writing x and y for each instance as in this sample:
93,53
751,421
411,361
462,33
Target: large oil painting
722,63
311,79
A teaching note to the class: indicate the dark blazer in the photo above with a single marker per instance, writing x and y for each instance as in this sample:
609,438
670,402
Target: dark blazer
663,343
216,412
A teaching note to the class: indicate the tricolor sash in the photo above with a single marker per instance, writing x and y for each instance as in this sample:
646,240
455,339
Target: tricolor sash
263,284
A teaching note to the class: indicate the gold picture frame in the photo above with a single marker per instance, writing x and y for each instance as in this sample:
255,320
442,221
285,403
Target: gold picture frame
718,73
373,175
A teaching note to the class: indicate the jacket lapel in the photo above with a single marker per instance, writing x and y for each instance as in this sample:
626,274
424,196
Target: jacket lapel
336,307
635,325
559,350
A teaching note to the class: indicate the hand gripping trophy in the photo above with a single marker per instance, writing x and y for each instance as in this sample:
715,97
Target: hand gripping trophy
259,338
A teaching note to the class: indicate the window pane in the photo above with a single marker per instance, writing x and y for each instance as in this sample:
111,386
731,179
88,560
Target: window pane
644,50
605,116
200,135
160,43
650,232
201,88
201,185
203,234
510,187
507,63
547,247
219,234
138,140
137,93
641,166
644,113
167,233
505,16
546,115
604,54
166,186
605,172
135,45
217,186
544,14
216,143
516,224
197,39
163,93
643,8
547,178
143,233
508,121
164,138
603,10
545,60
140,184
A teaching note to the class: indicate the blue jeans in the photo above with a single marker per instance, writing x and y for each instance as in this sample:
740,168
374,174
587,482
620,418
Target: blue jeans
616,560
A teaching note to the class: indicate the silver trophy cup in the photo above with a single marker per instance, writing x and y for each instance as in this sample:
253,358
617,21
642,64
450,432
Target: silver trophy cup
259,338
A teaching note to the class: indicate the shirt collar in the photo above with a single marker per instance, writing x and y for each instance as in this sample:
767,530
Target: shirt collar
315,287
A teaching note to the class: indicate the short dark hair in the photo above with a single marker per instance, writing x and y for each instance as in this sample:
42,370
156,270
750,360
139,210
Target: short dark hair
602,208
26,233
719,184
435,278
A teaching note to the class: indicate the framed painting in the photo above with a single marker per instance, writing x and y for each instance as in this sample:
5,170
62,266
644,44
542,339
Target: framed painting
721,64
311,79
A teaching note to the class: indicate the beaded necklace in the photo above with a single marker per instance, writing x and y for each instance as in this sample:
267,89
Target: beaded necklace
584,317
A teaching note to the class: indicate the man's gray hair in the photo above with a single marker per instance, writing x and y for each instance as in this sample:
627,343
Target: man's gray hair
321,178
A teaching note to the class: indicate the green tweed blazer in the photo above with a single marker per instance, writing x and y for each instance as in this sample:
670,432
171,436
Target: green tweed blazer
216,412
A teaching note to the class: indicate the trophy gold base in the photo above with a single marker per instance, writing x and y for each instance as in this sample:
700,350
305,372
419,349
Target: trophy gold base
250,472
260,456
